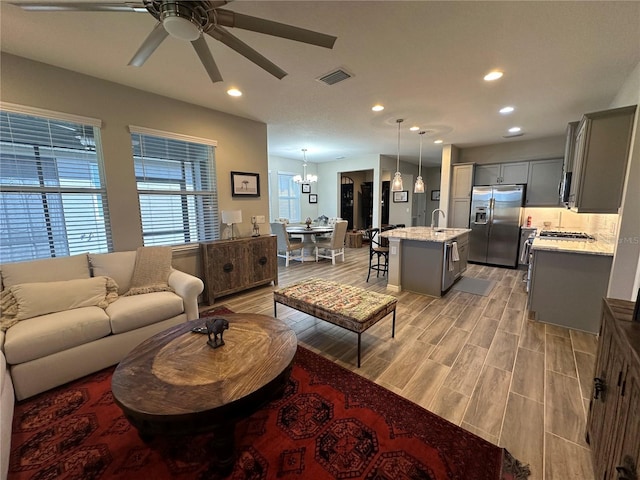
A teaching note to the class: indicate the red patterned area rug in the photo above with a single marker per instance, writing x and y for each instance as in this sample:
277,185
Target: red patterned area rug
330,424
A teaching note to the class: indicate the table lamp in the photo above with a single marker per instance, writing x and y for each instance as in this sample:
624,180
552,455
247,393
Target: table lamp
230,217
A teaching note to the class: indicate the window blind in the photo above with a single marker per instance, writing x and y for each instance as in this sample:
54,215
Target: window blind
289,197
52,195
176,183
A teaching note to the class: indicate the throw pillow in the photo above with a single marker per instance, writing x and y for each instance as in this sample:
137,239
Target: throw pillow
117,265
152,270
28,300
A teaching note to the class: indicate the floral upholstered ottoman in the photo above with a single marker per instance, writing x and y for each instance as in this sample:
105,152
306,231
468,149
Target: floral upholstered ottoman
353,308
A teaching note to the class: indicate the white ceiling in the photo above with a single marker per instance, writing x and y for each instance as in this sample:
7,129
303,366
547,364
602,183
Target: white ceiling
423,60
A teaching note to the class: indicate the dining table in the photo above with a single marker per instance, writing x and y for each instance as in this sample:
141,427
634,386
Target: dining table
308,237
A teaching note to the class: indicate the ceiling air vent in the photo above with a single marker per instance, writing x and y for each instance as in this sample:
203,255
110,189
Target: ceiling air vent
334,76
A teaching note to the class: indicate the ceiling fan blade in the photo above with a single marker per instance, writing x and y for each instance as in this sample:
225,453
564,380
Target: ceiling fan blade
82,6
246,51
228,18
153,41
201,48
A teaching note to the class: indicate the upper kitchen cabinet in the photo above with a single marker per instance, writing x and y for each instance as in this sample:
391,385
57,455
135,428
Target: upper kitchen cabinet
600,162
544,183
501,173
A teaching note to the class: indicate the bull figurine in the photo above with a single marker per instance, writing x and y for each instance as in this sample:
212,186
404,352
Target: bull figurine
216,326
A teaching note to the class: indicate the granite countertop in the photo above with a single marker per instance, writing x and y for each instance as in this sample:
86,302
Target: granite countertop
574,246
425,234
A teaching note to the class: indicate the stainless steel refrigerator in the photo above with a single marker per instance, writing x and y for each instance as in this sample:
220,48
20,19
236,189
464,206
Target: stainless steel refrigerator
495,221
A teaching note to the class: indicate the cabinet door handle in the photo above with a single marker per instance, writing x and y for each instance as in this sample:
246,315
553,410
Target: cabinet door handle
627,471
227,267
263,260
599,387
625,474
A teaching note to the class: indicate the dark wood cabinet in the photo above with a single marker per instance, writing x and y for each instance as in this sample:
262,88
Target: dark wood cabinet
613,426
230,266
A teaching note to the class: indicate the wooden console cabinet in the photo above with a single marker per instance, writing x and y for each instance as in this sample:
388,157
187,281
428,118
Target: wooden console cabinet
230,266
613,426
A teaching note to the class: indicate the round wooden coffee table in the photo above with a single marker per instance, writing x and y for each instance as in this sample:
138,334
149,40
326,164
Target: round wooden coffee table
175,384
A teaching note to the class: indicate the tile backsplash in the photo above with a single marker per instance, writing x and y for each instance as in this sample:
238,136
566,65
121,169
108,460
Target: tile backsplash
601,225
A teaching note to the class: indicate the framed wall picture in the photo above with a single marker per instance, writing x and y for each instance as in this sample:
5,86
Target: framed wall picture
399,197
306,188
435,194
245,184
313,198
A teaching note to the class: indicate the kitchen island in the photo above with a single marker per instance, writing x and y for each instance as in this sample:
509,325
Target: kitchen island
423,259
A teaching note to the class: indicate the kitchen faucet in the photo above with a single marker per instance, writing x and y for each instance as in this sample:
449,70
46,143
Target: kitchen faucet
433,214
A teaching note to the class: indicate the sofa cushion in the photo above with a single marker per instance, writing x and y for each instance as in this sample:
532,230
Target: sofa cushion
28,300
45,270
117,265
41,336
129,313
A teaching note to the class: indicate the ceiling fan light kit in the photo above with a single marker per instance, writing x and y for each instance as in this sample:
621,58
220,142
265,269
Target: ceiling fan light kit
182,28
188,21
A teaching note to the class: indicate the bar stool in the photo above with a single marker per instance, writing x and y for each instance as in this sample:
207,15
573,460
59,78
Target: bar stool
378,248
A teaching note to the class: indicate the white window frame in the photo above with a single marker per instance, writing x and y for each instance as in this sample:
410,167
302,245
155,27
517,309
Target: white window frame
53,200
294,217
179,210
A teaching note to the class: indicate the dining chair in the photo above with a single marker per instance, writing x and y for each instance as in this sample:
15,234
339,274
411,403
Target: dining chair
378,248
334,246
286,245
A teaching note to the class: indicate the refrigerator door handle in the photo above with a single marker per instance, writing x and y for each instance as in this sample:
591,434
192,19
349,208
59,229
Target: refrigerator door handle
492,204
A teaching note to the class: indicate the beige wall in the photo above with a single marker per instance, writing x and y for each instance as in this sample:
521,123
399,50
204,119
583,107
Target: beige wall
242,143
625,273
514,151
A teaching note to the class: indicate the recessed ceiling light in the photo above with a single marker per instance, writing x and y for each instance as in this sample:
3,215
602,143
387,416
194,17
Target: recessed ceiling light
377,108
505,110
514,129
414,128
234,92
495,75
437,141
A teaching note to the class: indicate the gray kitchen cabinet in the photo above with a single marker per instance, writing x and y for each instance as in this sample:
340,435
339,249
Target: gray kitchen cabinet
461,185
543,184
425,268
567,288
501,173
600,162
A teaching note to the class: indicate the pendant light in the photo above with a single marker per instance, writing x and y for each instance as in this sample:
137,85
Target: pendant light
419,186
304,178
396,186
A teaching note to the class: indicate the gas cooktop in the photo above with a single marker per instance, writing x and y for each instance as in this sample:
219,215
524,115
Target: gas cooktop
560,235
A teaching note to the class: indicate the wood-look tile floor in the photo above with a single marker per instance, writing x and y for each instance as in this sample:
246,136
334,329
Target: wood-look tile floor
477,361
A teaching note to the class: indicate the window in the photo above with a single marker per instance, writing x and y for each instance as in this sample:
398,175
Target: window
176,187
288,197
52,194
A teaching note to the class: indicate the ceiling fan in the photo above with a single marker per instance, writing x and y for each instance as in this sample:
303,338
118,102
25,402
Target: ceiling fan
190,20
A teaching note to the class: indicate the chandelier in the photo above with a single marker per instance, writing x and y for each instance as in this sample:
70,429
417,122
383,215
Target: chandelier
396,186
305,177
419,186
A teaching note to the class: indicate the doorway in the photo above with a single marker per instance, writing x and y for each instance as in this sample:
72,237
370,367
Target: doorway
356,198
